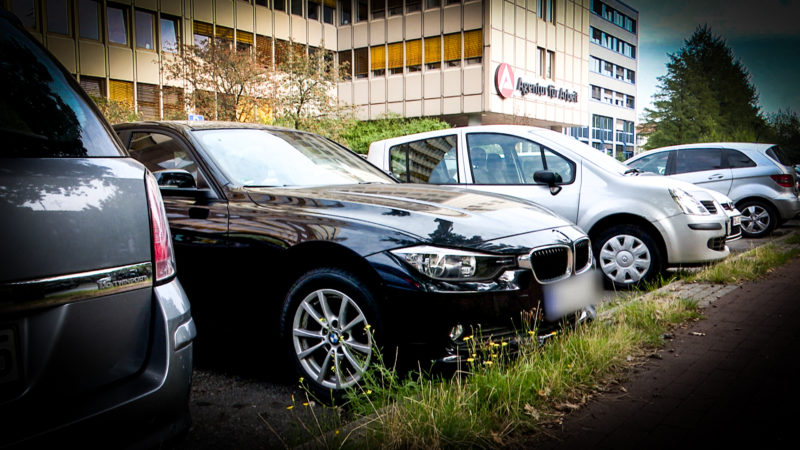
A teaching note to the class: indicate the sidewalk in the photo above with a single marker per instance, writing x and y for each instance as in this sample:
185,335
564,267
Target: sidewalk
731,379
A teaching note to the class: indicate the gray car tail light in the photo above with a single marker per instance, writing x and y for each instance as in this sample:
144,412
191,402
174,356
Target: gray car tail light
163,254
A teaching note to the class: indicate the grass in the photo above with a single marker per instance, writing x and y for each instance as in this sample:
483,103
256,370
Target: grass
499,401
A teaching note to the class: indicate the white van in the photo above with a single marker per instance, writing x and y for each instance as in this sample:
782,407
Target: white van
639,224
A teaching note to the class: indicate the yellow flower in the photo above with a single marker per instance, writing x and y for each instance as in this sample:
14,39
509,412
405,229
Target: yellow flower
488,363
369,391
305,403
504,344
466,338
367,326
531,333
337,431
290,407
301,379
470,359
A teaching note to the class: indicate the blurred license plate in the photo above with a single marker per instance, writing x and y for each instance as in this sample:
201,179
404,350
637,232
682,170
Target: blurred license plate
736,221
9,364
573,294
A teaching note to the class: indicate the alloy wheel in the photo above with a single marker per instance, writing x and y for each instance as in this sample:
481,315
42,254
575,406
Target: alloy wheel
755,219
332,339
625,259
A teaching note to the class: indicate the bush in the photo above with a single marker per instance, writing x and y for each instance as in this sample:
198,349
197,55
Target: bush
361,134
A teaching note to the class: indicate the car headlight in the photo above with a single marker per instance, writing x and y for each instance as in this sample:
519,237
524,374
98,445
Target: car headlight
687,203
453,265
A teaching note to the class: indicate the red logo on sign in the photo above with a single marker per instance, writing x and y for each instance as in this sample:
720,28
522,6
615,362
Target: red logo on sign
504,80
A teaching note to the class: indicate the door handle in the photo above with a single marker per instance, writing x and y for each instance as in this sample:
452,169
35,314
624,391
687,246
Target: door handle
716,176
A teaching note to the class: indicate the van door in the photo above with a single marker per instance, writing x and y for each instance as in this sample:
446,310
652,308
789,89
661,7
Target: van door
505,164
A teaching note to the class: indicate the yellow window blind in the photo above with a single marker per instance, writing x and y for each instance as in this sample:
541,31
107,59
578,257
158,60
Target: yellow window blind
244,37
414,52
395,55
473,44
433,49
331,3
225,33
452,47
378,55
120,91
204,29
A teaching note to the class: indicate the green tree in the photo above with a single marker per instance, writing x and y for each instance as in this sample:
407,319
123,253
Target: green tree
116,111
706,95
785,130
361,134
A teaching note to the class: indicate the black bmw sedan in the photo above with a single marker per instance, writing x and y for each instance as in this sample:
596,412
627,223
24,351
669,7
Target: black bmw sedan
317,255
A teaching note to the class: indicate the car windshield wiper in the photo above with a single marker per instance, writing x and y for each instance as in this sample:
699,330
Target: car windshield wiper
634,171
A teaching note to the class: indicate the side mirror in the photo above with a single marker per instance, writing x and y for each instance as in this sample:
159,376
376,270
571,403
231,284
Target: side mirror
177,178
551,179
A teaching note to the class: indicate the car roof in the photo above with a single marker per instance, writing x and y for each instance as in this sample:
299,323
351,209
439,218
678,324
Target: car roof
746,146
191,125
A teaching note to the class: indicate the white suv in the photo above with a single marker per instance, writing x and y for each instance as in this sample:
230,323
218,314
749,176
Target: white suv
758,177
638,224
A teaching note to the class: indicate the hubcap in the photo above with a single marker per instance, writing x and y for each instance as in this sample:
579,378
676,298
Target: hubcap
331,338
755,219
625,259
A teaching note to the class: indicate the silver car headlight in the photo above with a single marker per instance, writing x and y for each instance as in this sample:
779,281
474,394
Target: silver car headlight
687,203
453,265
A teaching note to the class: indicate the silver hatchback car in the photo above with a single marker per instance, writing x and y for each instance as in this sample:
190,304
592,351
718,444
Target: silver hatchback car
759,178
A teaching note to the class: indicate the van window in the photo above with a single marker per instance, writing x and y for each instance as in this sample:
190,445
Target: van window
42,112
698,159
431,160
505,159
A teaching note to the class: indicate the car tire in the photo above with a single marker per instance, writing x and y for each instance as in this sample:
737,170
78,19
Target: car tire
329,354
626,256
758,218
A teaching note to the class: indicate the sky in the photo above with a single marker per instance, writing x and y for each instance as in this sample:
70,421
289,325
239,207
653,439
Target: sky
763,34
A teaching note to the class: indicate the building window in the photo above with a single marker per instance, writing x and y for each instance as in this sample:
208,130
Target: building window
262,3
361,10
345,12
312,10
378,9
264,50
541,54
117,26
244,41
545,10
378,60
550,72
451,2
473,46
612,15
89,19
169,34
395,7
147,101
202,33
224,35
414,55
297,7
432,4
630,102
120,91
433,52
328,11
612,43
452,49
282,50
596,92
346,64
395,58
25,10
361,62
95,87
413,5
279,5
58,17
145,30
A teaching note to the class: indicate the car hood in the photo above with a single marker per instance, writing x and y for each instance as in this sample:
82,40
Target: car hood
435,214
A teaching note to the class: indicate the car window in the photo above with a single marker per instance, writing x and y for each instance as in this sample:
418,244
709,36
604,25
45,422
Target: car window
738,159
505,159
398,161
160,152
656,163
696,160
778,155
42,112
431,160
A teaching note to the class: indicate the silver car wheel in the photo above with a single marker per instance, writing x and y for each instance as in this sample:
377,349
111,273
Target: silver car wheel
755,219
332,339
625,259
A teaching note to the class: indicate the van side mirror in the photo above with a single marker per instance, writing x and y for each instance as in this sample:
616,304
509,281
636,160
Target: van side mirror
551,179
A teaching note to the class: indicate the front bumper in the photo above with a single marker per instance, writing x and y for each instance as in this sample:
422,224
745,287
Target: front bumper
694,239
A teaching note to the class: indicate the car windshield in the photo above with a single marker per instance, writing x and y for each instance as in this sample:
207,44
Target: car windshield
260,157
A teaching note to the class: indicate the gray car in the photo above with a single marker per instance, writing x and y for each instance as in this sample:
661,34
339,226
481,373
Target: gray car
95,329
759,178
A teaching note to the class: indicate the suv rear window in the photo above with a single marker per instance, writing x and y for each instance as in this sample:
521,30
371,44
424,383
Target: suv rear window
42,115
777,154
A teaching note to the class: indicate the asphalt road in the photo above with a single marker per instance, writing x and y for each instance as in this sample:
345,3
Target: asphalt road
258,406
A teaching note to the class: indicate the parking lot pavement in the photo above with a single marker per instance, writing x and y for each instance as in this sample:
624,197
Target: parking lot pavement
727,380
